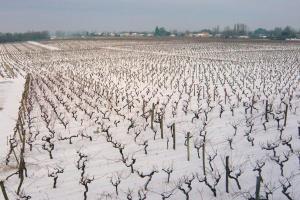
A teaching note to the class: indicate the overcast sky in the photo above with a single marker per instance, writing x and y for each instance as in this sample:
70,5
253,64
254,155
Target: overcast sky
140,15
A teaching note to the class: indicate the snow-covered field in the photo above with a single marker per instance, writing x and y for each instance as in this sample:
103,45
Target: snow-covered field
134,119
10,95
43,46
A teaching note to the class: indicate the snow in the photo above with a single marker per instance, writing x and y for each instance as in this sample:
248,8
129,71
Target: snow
10,96
48,47
104,68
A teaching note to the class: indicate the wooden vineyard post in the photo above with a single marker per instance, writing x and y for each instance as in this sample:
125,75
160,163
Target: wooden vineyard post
285,114
225,95
203,158
266,111
143,107
173,135
3,190
257,190
252,102
188,145
152,115
161,126
227,174
214,93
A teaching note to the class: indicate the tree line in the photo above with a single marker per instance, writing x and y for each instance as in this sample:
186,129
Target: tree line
277,33
18,37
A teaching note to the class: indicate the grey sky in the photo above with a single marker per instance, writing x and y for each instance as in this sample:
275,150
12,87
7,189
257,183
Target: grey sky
139,15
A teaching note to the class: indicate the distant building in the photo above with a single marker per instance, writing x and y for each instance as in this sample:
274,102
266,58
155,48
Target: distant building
262,36
243,37
240,29
200,34
132,34
203,34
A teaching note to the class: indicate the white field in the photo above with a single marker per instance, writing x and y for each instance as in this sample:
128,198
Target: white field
48,47
99,94
10,95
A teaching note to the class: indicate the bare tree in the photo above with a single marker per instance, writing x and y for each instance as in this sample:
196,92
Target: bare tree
211,158
258,168
54,175
285,186
270,147
185,186
168,170
280,161
212,187
85,181
149,176
115,181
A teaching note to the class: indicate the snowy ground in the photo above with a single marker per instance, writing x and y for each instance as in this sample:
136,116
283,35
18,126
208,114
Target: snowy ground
90,100
44,46
10,95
